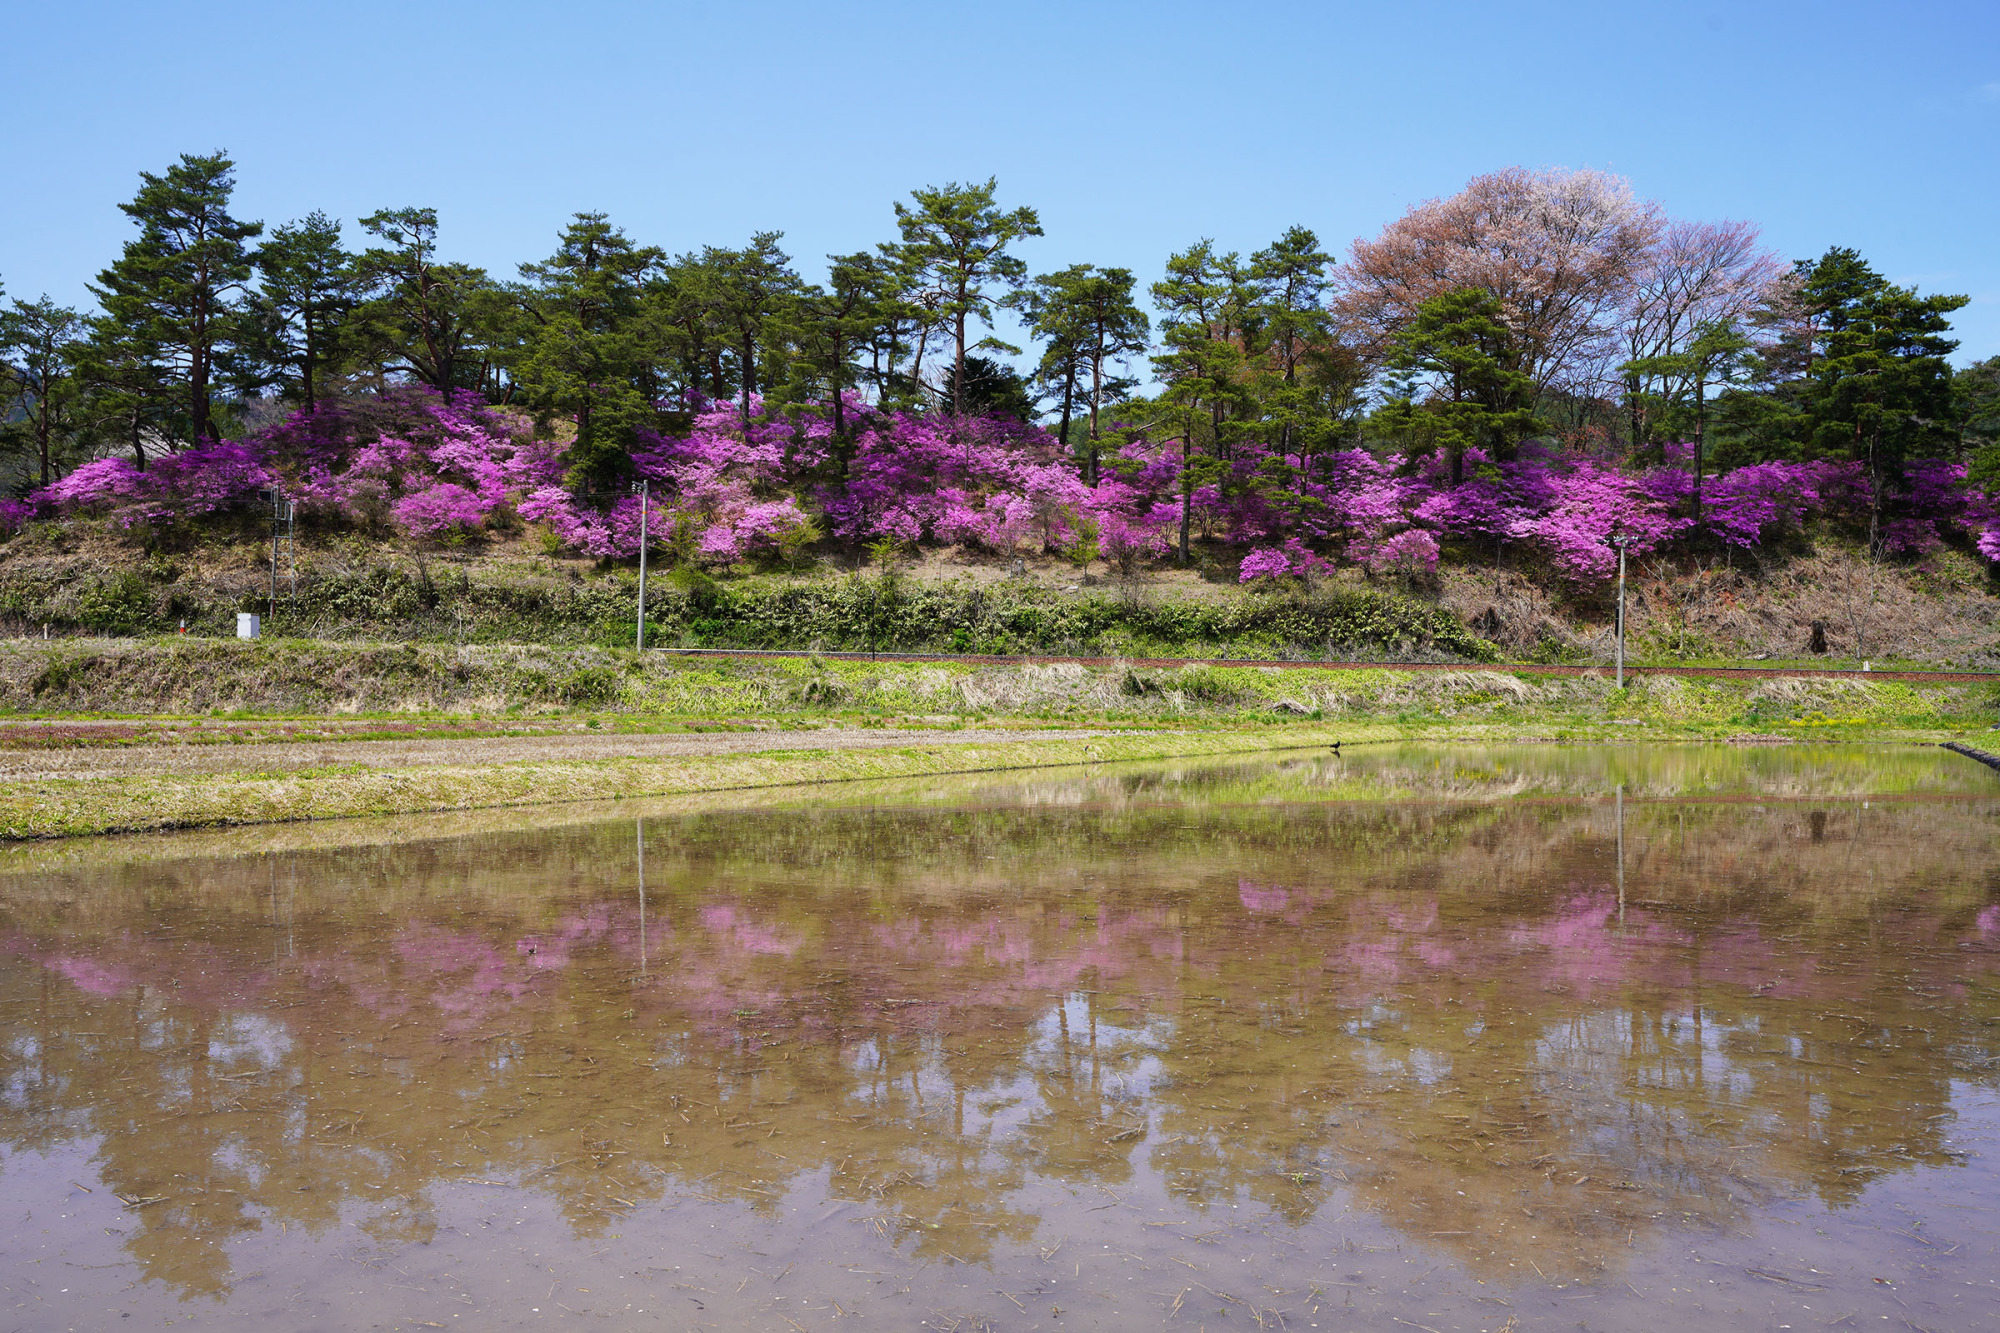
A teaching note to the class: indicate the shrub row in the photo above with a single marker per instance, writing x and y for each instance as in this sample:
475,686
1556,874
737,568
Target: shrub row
867,614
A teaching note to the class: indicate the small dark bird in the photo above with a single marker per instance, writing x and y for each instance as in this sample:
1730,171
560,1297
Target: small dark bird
1336,747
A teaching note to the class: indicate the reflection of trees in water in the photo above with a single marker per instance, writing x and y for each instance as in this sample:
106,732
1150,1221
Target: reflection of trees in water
1442,1008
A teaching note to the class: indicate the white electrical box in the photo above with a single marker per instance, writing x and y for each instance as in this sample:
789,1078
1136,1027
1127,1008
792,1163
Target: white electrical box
248,624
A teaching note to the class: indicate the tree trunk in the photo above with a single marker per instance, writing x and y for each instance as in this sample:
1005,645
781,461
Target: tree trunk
1187,491
198,425
1096,397
923,337
306,367
1874,495
1062,430
958,364
1700,438
839,405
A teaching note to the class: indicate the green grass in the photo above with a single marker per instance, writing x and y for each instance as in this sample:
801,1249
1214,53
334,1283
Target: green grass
55,808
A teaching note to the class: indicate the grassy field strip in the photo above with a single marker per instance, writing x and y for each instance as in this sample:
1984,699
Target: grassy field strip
1804,670
59,808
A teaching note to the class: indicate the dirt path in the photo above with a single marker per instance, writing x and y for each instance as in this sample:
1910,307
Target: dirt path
286,757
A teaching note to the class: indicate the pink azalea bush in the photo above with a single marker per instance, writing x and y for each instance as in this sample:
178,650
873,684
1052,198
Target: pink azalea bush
443,510
1411,553
1292,560
204,480
439,468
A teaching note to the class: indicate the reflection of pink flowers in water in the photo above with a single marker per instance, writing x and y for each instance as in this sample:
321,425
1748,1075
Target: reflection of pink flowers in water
1262,898
1436,954
552,950
90,975
1413,922
1380,961
1580,925
543,953
749,936
1989,920
900,937
1582,948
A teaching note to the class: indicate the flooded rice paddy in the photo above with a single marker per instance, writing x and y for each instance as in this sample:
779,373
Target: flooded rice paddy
1533,1038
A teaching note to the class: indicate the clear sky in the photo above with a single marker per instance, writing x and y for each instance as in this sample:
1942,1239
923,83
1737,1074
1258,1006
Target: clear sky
1134,128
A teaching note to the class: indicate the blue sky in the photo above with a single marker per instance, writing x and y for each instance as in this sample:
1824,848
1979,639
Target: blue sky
1134,128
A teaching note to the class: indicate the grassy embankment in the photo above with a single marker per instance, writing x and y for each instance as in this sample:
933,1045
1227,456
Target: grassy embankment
88,577
1135,714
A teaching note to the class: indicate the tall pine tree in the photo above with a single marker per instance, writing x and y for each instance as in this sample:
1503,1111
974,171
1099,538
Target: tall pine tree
179,286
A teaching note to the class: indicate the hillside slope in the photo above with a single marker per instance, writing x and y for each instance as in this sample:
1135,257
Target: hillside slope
88,578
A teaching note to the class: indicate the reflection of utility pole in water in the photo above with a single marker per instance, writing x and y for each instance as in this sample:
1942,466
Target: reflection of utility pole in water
1620,799
288,915
642,895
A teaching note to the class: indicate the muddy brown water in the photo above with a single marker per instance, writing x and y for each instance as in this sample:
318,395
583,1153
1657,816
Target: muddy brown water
1537,1038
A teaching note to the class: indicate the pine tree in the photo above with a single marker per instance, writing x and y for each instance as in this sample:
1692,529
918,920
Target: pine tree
422,318
1201,301
1881,389
954,244
1458,353
1291,280
309,286
179,286
580,345
40,348
751,287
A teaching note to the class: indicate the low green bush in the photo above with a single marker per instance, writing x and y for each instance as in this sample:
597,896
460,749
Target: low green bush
690,609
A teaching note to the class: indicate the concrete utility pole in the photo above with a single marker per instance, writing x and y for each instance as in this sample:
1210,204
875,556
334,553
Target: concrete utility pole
277,517
643,491
1618,541
1620,798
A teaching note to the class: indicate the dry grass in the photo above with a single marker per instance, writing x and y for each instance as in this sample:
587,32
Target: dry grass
68,807
166,760
1939,608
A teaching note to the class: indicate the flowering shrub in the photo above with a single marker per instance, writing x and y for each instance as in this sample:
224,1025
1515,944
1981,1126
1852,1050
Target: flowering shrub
1411,553
1268,563
1126,539
441,467
443,510
203,480
1291,559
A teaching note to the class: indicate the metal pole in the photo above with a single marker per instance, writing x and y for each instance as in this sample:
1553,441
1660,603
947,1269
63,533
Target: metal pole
642,565
1621,853
1621,615
277,514
292,545
642,895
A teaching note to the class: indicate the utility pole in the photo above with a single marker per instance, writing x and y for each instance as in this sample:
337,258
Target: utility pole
643,492
1620,798
277,517
1618,541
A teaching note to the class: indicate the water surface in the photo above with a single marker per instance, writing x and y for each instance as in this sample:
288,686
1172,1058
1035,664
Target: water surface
1603,1038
